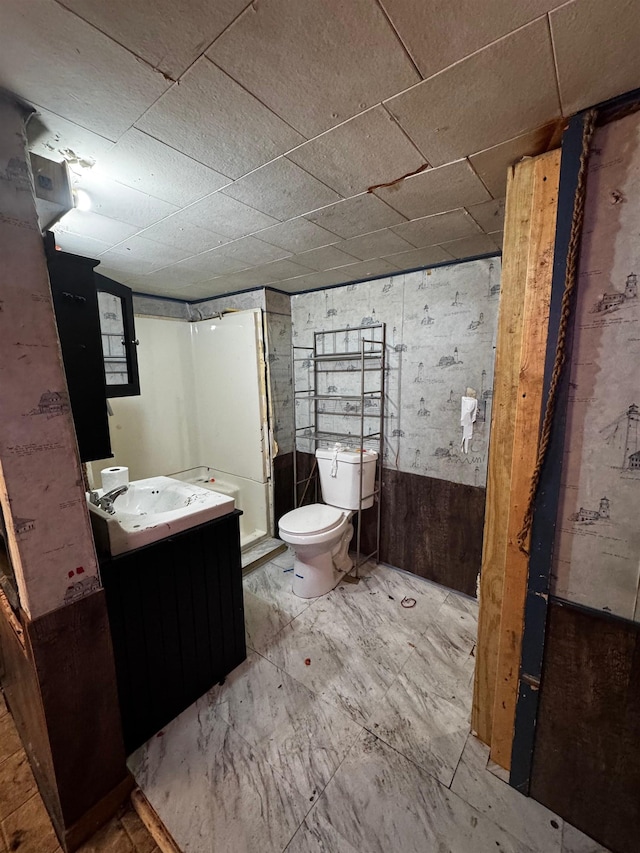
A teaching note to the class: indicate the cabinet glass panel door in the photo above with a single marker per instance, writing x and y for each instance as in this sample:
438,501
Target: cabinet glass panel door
115,307
113,340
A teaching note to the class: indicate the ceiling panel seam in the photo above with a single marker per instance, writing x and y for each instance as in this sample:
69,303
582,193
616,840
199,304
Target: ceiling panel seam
141,59
462,59
182,154
399,37
404,132
476,173
253,95
556,70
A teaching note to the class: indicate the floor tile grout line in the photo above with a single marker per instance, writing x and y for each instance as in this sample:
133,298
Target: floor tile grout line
278,772
321,794
459,762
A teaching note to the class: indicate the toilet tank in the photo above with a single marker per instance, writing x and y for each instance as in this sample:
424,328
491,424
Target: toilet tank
339,471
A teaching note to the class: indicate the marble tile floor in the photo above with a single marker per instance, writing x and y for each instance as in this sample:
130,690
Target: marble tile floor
346,730
24,822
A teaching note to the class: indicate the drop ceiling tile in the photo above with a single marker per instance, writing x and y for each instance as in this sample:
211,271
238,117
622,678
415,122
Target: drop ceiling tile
315,64
366,269
55,138
124,263
78,245
325,258
438,228
436,190
419,258
163,35
282,190
212,119
355,216
596,48
242,280
125,204
468,247
182,234
505,89
492,164
116,275
279,270
206,290
224,215
85,223
49,56
144,163
366,150
156,254
207,265
436,38
377,244
252,250
489,215
159,281
297,235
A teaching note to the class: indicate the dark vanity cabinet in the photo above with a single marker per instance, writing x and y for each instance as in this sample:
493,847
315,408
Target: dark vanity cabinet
75,302
177,622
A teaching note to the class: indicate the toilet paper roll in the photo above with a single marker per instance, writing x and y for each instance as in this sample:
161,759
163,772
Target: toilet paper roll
114,477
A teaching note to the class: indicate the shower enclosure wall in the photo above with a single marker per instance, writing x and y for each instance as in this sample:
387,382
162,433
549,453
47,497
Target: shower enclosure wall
202,412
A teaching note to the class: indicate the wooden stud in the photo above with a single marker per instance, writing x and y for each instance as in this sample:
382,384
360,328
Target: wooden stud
526,277
505,386
542,223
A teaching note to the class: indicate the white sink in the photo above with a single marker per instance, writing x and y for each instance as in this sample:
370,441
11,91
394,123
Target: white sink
155,508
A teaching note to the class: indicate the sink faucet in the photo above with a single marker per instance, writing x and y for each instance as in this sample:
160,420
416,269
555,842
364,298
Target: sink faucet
108,499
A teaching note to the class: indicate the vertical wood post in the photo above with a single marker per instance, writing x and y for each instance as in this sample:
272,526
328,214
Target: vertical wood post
522,331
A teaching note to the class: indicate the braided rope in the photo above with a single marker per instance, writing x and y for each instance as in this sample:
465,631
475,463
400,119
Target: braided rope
563,330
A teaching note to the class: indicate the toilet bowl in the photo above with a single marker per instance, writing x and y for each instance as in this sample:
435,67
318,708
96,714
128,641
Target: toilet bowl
320,533
320,536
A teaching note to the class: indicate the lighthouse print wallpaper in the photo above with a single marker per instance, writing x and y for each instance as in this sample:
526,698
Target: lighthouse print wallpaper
597,552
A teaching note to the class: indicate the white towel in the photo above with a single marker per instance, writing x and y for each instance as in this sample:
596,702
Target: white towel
468,414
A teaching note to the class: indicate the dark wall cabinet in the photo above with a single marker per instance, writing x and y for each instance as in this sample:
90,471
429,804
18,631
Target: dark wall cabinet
177,622
76,306
97,336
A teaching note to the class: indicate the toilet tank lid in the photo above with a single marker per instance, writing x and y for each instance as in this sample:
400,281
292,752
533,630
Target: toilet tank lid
314,518
351,456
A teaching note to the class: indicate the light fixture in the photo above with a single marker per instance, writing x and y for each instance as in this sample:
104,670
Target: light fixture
82,200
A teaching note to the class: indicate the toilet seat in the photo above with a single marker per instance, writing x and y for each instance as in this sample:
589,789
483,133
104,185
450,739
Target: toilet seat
311,520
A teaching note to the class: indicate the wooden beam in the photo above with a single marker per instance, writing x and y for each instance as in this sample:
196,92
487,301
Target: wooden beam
525,182
529,401
508,345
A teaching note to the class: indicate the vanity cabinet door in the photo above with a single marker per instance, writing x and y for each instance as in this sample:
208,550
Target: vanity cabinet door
76,307
177,622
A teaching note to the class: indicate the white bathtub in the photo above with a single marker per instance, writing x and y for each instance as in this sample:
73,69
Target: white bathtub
249,496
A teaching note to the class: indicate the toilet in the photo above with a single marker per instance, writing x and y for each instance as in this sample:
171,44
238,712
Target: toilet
320,533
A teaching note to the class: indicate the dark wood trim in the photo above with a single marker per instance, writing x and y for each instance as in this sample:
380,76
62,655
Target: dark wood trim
67,718
586,764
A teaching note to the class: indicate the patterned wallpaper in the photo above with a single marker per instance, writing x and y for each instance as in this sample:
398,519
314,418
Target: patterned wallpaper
597,553
441,328
41,486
